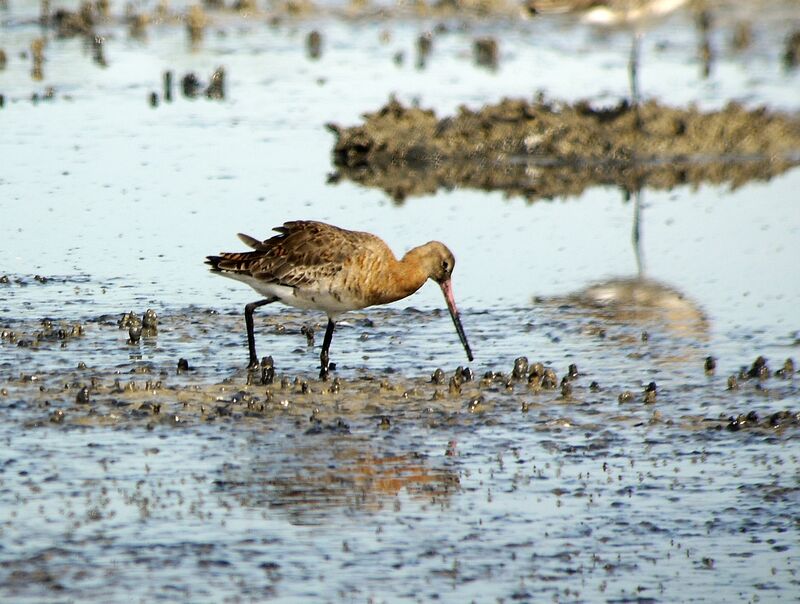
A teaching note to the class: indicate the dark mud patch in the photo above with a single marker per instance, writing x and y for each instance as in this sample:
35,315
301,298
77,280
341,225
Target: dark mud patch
131,373
547,149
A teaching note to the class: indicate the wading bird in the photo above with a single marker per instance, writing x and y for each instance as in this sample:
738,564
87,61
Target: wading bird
318,266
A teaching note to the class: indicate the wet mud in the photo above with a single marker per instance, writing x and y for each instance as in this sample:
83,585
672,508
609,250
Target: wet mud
548,149
507,467
182,390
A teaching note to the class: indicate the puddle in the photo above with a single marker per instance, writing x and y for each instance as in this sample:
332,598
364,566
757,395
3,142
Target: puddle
390,482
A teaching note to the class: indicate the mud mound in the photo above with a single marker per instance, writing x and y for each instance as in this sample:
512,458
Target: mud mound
547,149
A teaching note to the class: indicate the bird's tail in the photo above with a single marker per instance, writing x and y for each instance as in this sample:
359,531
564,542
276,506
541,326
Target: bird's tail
231,262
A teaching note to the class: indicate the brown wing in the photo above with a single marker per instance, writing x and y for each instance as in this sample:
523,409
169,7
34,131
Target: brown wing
302,253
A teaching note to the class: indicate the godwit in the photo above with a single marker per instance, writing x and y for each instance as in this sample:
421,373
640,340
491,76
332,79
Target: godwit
634,14
318,266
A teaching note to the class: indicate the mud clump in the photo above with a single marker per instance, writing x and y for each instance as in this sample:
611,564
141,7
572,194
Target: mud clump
791,54
37,53
546,149
774,421
196,22
192,87
137,25
486,53
742,36
314,45
172,393
296,8
98,51
245,6
216,85
150,323
69,24
424,49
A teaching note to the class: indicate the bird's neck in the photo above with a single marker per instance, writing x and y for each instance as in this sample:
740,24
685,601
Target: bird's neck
407,276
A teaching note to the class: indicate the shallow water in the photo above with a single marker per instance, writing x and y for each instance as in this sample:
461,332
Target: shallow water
189,490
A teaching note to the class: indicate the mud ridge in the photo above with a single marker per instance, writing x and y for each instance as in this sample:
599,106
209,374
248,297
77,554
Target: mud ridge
546,149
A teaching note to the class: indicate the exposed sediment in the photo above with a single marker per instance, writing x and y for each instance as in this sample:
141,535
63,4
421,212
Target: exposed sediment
68,373
545,149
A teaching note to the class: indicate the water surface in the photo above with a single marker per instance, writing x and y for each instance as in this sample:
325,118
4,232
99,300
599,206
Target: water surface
522,494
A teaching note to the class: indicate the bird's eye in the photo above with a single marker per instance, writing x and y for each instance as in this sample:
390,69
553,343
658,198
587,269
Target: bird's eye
445,265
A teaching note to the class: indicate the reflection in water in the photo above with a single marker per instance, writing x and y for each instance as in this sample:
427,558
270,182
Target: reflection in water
645,303
638,301
546,149
334,473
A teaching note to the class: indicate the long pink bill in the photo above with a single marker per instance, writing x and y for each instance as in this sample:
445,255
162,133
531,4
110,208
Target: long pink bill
447,290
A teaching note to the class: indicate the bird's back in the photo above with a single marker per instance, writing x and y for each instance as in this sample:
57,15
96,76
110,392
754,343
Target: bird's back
309,264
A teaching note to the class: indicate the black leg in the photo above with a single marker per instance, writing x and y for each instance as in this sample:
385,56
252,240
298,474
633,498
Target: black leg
251,338
326,344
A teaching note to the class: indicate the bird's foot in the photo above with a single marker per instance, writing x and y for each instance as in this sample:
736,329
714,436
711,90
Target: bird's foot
324,371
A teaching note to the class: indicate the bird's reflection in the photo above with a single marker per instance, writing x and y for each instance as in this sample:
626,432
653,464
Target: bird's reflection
635,305
329,475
